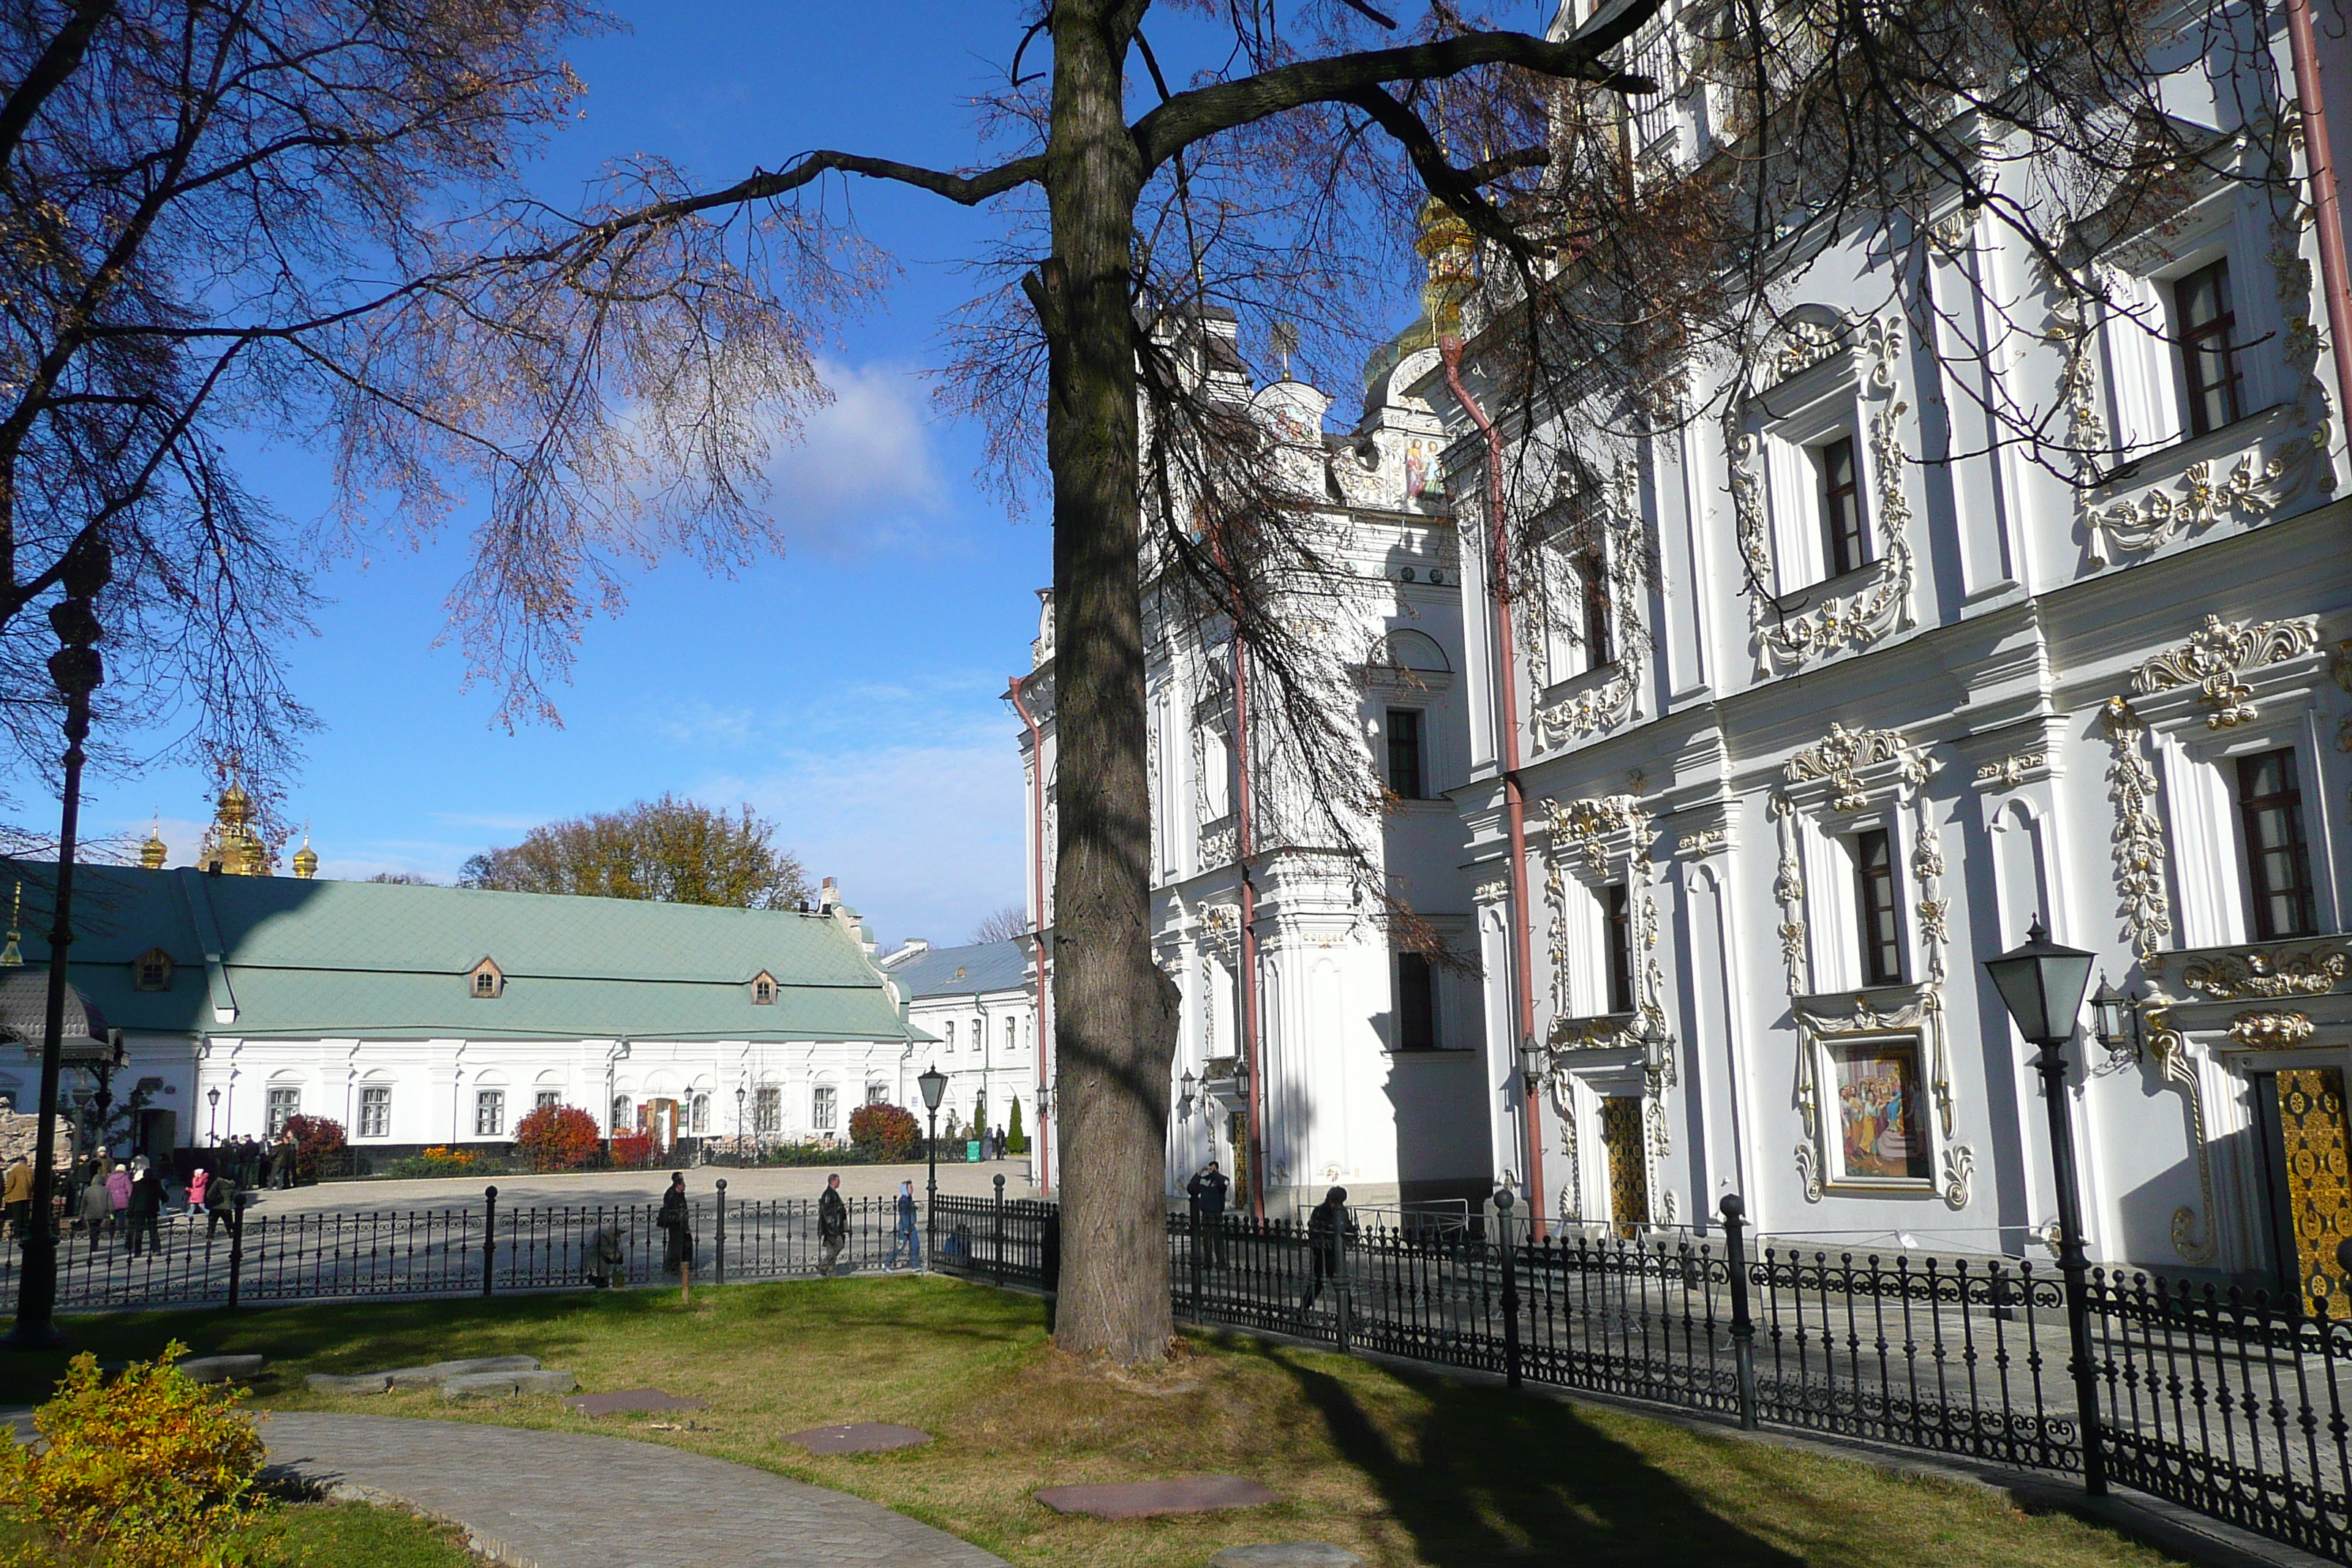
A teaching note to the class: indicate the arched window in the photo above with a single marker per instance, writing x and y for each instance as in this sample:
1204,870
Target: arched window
1405,648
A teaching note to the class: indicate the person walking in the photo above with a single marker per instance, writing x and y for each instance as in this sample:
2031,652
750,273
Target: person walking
146,1211
677,1222
832,1224
117,1193
220,1203
903,1235
1207,1190
197,1183
97,1209
287,1153
16,1196
1327,1228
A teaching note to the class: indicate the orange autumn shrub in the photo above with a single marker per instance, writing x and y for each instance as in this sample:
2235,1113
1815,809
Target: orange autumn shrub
149,1471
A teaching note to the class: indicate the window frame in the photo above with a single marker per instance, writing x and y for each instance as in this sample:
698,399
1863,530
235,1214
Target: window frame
1412,748
374,1110
1593,591
273,1118
1617,927
1869,881
825,1105
1416,978
2193,353
1844,549
767,1110
490,1112
545,1099
2301,889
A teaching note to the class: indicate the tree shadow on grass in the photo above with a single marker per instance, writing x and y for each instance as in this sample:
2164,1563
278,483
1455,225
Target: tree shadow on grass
1484,1476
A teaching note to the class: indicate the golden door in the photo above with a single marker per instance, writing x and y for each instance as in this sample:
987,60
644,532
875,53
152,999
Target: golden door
1629,1170
1237,1141
2318,1181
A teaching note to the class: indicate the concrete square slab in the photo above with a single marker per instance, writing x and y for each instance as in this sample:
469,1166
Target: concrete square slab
1286,1554
859,1437
220,1368
1142,1500
340,1383
626,1401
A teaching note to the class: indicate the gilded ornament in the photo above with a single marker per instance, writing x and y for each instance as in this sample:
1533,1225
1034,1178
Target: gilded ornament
2012,770
2257,975
2272,1031
2218,654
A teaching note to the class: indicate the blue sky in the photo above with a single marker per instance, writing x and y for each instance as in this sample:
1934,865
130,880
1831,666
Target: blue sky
849,691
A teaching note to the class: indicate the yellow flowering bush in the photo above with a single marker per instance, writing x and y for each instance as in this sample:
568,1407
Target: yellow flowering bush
149,1471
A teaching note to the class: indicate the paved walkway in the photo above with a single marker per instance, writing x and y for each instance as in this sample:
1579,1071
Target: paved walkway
560,1499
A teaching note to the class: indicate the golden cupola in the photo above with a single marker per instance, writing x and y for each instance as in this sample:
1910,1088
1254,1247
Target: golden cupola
305,859
232,848
154,852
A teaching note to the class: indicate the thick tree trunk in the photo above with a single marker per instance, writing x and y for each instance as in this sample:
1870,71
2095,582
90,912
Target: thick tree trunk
1112,1035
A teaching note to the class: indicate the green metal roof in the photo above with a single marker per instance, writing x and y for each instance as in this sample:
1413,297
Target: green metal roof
383,960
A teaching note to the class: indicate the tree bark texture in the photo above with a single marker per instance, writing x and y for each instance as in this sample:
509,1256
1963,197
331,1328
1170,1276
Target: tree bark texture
1113,1038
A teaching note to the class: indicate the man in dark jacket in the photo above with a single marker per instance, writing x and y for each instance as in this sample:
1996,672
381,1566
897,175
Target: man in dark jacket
146,1211
1328,1228
1207,1191
220,1202
832,1224
676,1223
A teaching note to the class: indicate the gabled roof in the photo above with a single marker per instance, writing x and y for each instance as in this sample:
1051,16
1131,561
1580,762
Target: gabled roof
987,966
386,960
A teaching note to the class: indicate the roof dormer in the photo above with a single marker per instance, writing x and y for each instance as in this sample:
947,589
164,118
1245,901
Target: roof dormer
763,989
485,982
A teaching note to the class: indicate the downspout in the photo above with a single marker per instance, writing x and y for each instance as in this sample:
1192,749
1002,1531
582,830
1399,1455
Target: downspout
1242,847
1037,879
1515,804
2319,154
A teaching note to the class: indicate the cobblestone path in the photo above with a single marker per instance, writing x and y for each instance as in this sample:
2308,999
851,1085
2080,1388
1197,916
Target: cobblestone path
559,1499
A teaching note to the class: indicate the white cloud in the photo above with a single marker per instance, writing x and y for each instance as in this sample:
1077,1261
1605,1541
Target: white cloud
862,477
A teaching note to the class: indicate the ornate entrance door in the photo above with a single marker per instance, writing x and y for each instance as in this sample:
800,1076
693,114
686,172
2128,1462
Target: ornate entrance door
1629,1170
1237,1147
2317,1167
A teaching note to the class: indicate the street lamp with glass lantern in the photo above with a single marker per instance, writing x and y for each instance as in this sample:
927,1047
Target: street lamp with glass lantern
741,1091
934,1085
211,1097
2042,984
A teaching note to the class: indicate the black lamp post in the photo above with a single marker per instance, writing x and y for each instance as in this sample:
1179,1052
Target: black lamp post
77,671
211,1097
934,1085
2042,984
740,1090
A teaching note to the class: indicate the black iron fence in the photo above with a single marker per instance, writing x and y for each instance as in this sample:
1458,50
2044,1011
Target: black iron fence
478,1248
2232,1403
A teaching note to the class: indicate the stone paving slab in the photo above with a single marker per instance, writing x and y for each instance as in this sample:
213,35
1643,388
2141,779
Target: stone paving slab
1286,1554
561,1499
1142,1500
859,1437
220,1368
632,1401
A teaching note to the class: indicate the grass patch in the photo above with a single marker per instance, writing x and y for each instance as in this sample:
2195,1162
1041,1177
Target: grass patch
309,1535
1408,1469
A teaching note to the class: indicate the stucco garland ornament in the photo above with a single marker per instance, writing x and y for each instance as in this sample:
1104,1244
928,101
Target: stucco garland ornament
2218,655
2138,835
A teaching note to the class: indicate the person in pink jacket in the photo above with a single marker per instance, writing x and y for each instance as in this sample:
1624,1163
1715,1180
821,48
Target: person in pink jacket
118,1191
196,1185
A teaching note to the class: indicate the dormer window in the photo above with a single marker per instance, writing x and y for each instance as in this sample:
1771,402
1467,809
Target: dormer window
763,989
151,971
487,982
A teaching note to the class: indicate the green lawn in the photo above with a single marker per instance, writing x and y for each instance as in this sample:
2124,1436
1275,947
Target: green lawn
319,1535
1407,1470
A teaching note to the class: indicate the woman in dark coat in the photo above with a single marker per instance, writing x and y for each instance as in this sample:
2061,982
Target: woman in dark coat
677,1222
146,1210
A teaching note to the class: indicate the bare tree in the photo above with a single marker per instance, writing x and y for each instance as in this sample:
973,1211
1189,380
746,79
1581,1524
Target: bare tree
1001,924
1597,276
274,217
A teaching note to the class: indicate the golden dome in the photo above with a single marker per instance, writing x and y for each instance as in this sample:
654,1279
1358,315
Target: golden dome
1450,251
305,859
232,848
153,853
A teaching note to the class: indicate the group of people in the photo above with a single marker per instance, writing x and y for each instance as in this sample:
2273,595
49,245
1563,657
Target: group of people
1329,1226
259,1163
129,1198
607,1260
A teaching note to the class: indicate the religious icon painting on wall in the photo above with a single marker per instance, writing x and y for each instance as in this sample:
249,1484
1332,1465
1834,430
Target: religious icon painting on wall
1881,1136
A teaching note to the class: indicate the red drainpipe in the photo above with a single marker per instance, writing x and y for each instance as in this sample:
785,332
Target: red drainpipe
1038,874
1242,847
2320,153
1515,804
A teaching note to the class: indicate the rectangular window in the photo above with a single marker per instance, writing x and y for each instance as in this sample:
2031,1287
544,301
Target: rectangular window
1011,1037
489,1113
283,1104
821,1107
1404,752
376,1110
1845,544
950,1037
1877,900
2278,863
878,1094
545,1099
2208,350
1618,901
1593,576
768,1110
1416,1003
622,1119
